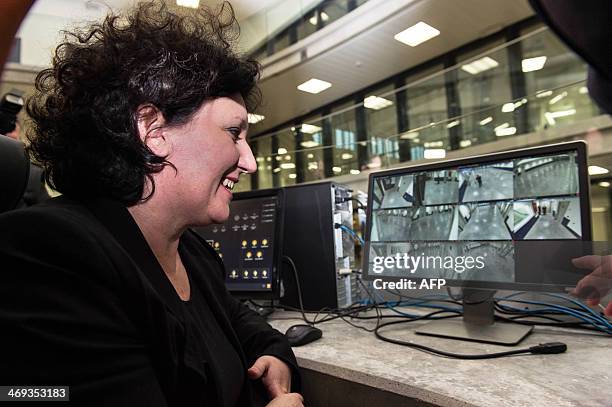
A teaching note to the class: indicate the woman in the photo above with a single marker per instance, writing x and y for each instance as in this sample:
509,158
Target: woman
141,123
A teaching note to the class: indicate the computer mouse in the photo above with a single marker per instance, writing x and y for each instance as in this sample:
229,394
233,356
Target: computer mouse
299,335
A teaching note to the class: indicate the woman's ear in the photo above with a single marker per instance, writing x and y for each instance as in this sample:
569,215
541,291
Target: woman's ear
150,124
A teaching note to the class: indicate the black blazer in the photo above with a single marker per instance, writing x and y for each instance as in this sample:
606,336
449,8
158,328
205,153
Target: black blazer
84,303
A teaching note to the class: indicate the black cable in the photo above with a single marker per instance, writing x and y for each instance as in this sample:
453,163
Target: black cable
546,348
298,286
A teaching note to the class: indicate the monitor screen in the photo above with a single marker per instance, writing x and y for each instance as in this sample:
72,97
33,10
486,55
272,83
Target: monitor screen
249,243
471,220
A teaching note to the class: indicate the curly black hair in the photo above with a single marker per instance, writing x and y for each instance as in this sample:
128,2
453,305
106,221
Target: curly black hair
84,110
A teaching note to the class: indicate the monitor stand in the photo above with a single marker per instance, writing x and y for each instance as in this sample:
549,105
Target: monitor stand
478,324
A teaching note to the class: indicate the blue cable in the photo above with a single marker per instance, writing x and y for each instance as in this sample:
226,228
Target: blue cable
352,233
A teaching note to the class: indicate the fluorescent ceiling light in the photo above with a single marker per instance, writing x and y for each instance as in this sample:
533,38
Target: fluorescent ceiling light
433,144
255,118
480,65
452,124
336,169
433,153
313,165
597,170
501,126
376,103
583,90
287,157
346,156
417,34
533,64
287,166
520,103
313,20
292,176
188,3
309,144
557,98
486,120
310,128
508,107
604,184
410,135
310,155
544,93
314,86
551,116
506,131
598,209
282,150
259,159
276,170
465,143
354,172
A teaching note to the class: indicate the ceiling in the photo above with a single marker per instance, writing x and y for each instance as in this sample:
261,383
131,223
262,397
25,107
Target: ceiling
372,54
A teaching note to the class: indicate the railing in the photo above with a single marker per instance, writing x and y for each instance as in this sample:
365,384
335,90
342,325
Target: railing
460,107
267,33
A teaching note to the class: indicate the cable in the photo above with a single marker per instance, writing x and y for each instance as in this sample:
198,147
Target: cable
298,286
546,348
350,232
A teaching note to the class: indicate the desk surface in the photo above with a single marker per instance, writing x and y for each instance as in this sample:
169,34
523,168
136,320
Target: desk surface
582,376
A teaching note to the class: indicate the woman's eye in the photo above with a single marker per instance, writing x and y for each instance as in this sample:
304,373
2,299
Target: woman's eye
235,132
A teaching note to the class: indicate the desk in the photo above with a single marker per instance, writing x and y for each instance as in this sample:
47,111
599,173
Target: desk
351,367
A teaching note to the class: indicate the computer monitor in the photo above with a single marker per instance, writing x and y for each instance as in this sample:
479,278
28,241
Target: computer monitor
479,223
250,243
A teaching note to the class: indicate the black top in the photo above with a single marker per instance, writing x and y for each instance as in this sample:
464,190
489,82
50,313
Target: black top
84,303
202,328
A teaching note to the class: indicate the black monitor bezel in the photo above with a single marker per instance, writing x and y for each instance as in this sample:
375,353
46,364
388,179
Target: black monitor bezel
277,255
579,146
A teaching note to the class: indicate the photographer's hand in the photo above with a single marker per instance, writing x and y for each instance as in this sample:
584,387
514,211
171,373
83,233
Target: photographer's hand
596,285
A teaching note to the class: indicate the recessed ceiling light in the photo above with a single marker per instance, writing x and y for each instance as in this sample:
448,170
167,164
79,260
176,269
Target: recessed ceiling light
255,118
551,116
598,210
282,150
465,143
292,176
508,107
314,86
434,153
506,131
533,64
486,120
336,169
346,156
188,3
501,126
417,34
480,65
557,98
310,128
452,124
354,172
314,20
597,170
410,135
309,144
310,155
287,166
376,102
276,170
583,90
604,184
544,93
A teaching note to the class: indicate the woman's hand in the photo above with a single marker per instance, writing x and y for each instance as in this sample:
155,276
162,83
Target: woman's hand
287,400
274,374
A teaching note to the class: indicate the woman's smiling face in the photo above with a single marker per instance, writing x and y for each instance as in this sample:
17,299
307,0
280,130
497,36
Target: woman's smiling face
209,153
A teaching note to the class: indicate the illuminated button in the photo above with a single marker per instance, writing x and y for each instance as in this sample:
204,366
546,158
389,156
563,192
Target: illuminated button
221,255
246,274
233,274
264,273
244,243
254,243
259,254
264,242
216,245
249,255
268,286
255,273
236,217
